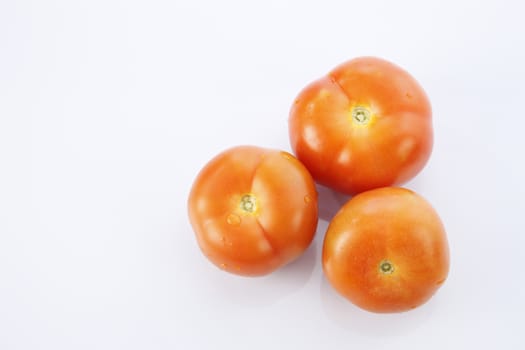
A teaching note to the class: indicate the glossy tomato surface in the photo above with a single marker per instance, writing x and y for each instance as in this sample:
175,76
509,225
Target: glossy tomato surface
386,250
367,124
253,210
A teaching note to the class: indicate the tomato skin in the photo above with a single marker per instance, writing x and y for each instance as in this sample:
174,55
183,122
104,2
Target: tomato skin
253,210
349,155
386,228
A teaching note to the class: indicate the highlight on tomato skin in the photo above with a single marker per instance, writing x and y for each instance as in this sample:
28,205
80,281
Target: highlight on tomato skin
253,210
386,250
364,125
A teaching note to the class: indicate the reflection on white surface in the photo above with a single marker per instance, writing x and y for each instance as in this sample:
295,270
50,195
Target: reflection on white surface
260,292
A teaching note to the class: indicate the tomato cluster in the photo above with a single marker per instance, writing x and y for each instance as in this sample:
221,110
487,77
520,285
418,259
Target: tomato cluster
362,129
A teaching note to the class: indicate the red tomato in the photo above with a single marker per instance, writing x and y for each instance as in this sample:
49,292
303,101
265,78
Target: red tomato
367,124
253,210
386,250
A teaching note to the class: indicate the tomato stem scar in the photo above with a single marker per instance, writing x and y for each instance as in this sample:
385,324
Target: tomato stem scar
361,115
248,203
386,267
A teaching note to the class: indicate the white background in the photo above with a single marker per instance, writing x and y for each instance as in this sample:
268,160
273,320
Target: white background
108,109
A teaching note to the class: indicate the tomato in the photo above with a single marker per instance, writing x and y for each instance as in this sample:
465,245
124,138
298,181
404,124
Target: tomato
386,250
367,124
253,210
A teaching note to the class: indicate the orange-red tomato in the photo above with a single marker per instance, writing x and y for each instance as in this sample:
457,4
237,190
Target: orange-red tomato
253,210
367,124
386,250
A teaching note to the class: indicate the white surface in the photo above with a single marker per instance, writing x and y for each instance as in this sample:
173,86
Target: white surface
108,109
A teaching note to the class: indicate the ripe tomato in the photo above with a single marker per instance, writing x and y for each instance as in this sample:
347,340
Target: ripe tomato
253,210
386,250
367,124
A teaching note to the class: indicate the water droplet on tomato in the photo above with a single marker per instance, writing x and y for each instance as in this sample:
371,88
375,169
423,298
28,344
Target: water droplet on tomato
233,219
223,266
307,199
286,155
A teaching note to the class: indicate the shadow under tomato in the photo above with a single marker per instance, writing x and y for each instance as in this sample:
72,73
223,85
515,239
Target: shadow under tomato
266,290
348,316
330,202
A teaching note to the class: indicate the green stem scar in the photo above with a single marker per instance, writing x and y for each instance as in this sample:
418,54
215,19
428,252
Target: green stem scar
361,115
386,267
248,203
